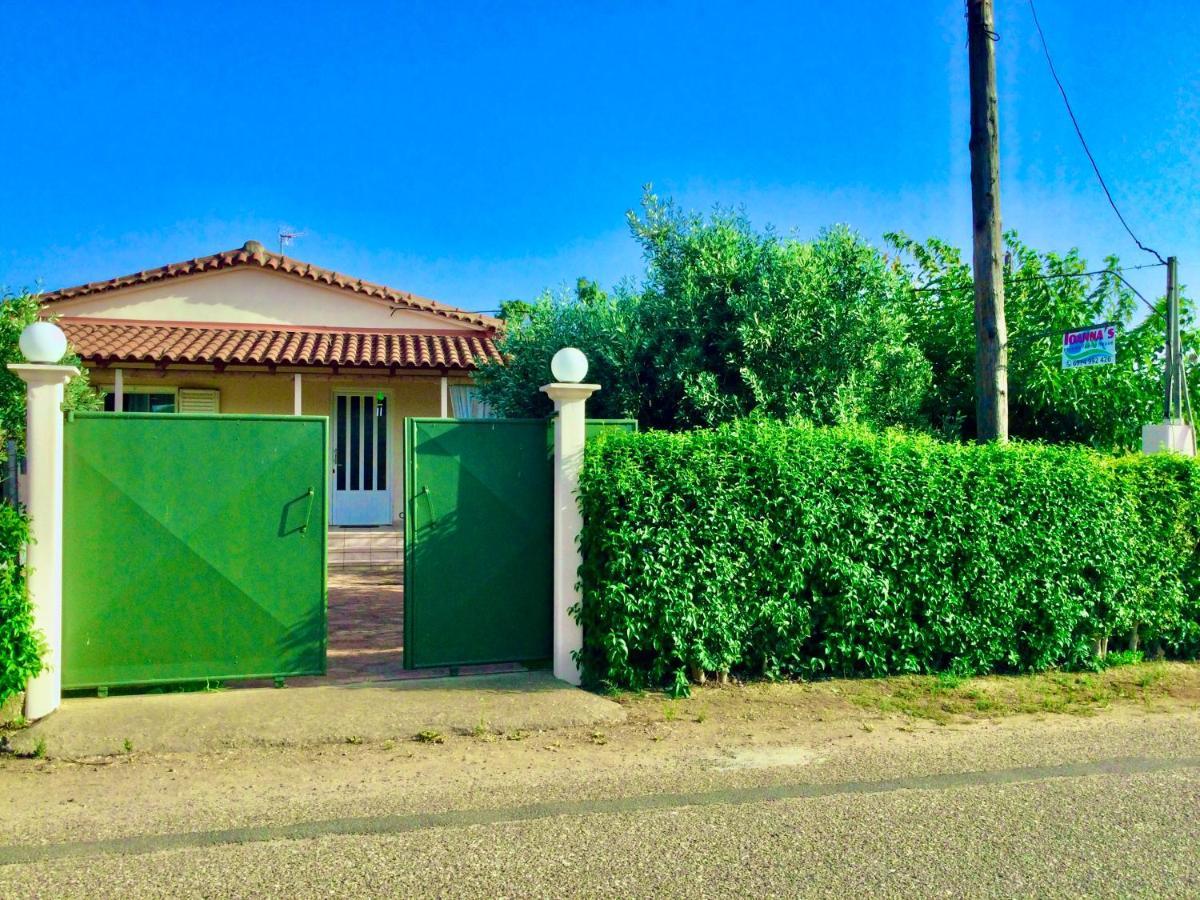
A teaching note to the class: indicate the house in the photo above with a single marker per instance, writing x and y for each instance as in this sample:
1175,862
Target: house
251,331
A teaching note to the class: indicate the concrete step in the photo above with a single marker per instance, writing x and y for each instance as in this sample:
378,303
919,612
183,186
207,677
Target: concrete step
367,555
368,545
384,565
366,548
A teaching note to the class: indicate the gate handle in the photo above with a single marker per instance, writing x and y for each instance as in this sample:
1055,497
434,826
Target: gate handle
429,501
307,512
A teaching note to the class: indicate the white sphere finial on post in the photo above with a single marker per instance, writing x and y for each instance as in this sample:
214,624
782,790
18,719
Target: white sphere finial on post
43,342
569,365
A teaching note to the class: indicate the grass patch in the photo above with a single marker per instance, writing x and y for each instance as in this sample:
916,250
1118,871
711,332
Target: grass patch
943,698
39,750
482,731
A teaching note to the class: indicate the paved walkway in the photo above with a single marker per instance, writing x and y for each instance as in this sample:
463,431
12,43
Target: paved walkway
366,625
331,714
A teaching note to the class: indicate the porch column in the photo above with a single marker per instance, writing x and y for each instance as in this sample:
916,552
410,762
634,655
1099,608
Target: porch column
445,397
118,390
297,395
44,493
569,424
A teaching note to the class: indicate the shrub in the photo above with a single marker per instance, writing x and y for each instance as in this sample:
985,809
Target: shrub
20,649
783,550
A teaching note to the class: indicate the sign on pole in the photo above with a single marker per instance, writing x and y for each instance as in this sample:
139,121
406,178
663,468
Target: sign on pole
1095,345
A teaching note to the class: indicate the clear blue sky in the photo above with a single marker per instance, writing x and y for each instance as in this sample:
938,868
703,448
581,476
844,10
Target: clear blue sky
474,152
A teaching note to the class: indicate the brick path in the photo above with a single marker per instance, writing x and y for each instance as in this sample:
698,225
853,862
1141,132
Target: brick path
366,625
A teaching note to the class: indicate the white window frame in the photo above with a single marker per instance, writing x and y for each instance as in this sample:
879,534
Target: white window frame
127,389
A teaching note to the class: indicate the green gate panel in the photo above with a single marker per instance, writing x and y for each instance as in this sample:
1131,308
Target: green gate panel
194,547
479,532
478,541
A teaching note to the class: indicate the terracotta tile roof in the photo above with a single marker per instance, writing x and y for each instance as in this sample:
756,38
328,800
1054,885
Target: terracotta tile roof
254,254
113,341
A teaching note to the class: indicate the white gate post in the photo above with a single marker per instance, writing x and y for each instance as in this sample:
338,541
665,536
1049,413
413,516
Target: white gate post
44,500
1173,437
569,432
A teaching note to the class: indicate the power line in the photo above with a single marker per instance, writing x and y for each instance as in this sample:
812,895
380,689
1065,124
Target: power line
1075,122
924,289
929,288
1149,305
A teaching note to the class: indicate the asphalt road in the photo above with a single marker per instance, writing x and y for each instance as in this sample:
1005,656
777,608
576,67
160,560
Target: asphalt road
1063,807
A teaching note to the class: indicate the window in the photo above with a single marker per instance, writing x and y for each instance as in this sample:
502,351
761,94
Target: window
142,401
465,403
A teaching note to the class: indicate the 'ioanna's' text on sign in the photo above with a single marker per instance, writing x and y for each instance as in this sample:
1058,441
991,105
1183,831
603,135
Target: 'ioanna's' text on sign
1094,346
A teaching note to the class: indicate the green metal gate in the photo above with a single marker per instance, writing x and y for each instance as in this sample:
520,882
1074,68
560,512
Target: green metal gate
193,547
479,531
478,541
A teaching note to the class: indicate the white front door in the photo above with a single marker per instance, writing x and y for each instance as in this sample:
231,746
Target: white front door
361,471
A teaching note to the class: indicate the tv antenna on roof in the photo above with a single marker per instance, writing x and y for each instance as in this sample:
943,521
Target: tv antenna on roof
286,237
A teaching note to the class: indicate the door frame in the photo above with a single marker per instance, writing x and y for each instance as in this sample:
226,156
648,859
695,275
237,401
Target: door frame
388,396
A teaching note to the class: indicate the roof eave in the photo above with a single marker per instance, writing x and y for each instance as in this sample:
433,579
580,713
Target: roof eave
264,259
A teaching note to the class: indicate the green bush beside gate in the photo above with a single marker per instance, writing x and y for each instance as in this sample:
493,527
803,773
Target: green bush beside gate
781,550
20,648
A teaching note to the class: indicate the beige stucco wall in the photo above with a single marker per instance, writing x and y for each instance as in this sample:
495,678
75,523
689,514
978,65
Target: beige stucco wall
250,296
265,393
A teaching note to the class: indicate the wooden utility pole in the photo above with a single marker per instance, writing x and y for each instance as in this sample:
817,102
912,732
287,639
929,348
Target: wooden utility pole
1173,363
991,335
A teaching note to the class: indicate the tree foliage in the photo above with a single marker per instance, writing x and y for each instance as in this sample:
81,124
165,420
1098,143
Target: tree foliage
730,322
736,322
602,325
1045,294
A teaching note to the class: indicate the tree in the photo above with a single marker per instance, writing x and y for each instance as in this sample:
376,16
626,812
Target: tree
728,322
603,326
1045,294
738,321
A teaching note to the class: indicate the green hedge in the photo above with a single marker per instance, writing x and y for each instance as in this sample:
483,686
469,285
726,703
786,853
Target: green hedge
20,648
780,550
